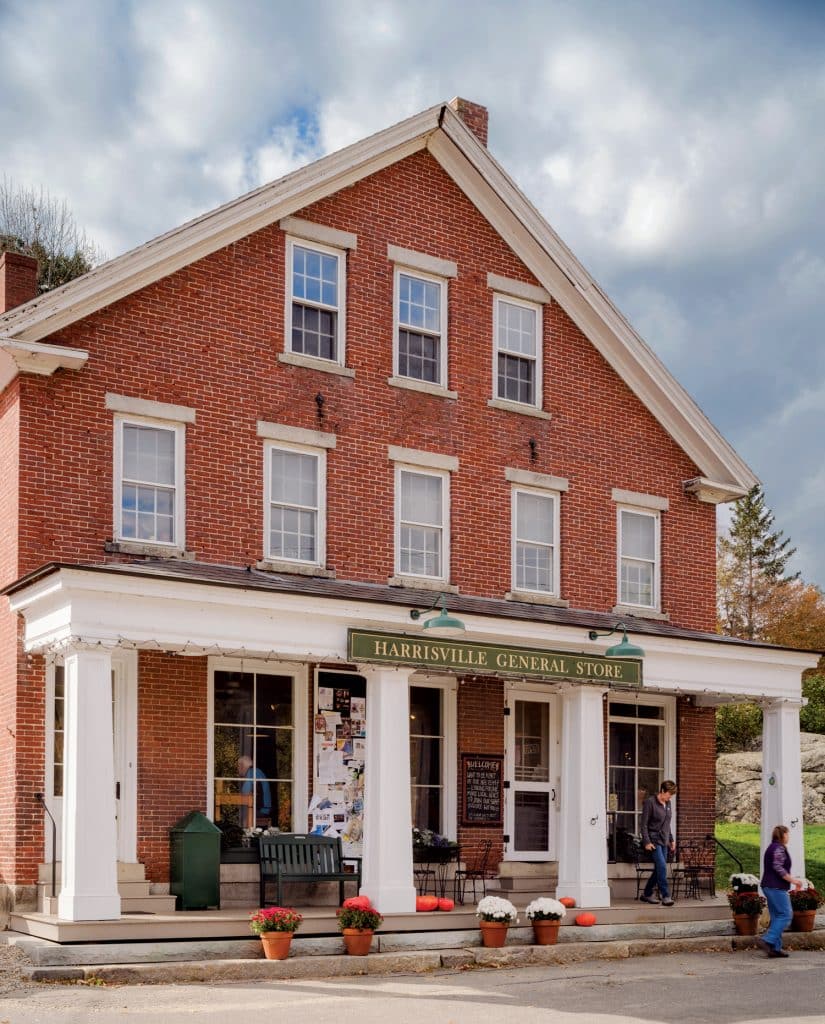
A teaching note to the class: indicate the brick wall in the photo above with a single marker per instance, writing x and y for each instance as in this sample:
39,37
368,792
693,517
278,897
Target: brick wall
208,336
695,770
480,706
172,745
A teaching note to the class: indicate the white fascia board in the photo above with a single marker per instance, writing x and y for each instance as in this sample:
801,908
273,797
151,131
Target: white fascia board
218,228
499,200
110,608
33,357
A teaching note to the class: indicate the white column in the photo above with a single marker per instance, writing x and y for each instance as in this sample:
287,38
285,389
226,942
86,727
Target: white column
582,826
387,869
89,870
782,778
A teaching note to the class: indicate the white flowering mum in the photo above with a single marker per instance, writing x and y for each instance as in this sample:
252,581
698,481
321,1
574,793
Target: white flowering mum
493,908
545,909
744,879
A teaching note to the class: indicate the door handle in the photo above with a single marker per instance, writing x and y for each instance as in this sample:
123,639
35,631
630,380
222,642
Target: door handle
553,795
117,791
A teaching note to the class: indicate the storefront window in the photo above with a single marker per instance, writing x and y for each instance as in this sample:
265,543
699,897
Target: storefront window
427,757
636,763
254,735
59,720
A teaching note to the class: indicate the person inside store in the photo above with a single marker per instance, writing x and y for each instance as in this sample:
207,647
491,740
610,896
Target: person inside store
254,782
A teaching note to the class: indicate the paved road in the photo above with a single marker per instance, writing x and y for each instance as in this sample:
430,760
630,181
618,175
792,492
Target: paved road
683,989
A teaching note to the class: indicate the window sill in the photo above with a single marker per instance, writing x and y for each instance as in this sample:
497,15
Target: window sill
640,613
421,385
273,565
528,597
133,547
311,363
525,410
420,583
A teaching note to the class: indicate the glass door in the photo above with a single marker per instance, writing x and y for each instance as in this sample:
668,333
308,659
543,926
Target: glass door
532,776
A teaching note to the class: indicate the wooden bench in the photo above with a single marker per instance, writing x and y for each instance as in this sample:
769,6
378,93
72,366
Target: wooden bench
304,858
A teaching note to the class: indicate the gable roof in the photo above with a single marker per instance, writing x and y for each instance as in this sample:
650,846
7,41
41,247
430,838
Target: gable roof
724,475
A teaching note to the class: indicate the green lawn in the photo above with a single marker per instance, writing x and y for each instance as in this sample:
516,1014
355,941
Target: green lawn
743,840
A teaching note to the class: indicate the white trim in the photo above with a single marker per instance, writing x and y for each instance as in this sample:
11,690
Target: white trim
421,261
443,363
150,410
424,386
178,542
555,498
519,289
296,435
449,763
712,492
125,671
340,309
530,479
320,455
318,233
520,408
300,749
444,476
538,361
640,500
418,458
655,515
32,357
311,363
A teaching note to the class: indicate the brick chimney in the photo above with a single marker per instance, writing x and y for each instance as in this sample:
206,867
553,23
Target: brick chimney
18,279
473,115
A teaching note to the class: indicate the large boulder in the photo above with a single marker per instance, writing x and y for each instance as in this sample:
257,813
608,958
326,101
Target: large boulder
739,783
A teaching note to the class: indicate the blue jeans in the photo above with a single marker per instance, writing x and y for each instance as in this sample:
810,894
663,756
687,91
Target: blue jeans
779,907
658,876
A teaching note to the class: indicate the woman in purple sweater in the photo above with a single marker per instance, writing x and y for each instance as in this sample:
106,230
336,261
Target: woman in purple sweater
776,881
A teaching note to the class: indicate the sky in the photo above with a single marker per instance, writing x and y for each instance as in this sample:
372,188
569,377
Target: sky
678,149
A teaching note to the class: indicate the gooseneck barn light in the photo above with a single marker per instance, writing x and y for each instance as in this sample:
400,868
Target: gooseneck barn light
623,649
441,621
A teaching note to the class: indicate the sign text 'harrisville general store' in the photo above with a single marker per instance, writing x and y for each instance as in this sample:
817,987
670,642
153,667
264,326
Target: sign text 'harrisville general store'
490,659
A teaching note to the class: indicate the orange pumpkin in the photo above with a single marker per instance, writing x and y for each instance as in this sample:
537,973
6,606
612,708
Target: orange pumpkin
358,903
445,904
426,903
586,920
567,901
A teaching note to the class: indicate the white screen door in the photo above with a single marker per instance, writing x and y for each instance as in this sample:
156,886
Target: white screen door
530,799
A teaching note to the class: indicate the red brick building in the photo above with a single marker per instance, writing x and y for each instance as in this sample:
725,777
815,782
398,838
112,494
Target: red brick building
234,460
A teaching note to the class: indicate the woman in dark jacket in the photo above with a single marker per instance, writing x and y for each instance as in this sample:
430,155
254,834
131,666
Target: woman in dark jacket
776,881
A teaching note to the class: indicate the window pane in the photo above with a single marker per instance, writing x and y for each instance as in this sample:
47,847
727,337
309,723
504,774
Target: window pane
313,331
426,807
233,697
148,454
293,512
420,551
294,478
532,753
622,784
419,303
532,821
418,356
273,752
534,567
515,379
638,536
637,583
622,745
534,518
274,700
314,276
421,499
650,746
425,761
516,329
425,711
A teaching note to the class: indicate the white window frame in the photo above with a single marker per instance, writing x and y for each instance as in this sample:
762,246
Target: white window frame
555,497
669,719
449,777
340,309
444,476
538,389
397,326
655,515
178,541
321,521
300,749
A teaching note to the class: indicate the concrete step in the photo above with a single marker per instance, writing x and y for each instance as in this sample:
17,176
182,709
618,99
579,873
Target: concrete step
142,904
126,872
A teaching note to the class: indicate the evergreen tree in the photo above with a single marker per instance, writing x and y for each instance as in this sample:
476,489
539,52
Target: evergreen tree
752,561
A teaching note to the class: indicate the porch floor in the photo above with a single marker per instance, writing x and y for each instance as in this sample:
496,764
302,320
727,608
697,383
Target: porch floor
319,922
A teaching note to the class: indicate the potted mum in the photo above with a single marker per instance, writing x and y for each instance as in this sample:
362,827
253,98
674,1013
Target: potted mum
746,906
357,920
545,916
276,926
805,902
496,915
743,882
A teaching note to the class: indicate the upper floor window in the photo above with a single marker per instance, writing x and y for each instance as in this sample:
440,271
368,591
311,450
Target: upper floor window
535,523
517,340
421,327
422,536
638,531
149,482
295,505
316,300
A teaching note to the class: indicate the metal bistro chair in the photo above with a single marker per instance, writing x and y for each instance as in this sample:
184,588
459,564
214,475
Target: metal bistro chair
423,875
479,871
641,863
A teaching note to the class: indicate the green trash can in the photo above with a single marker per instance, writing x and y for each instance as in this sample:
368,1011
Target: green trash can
195,862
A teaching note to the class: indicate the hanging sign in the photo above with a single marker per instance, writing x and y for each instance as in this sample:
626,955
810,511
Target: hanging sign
490,659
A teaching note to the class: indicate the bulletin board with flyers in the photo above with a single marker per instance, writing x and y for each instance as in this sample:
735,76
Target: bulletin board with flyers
339,753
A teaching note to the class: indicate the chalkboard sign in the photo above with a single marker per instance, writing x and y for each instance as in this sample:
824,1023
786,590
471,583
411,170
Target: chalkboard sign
481,777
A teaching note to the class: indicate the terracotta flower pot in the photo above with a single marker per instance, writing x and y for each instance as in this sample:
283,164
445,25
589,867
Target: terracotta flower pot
803,920
546,933
746,924
276,944
493,933
357,940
